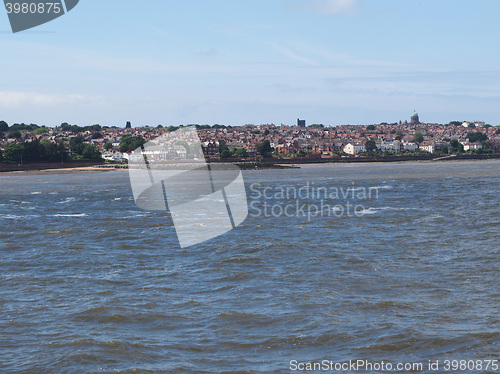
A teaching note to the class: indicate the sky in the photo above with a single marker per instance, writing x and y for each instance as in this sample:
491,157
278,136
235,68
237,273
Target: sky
254,62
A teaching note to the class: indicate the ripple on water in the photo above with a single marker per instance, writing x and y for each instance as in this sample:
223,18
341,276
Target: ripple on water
91,284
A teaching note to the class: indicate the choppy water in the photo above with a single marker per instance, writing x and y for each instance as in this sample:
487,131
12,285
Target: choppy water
89,283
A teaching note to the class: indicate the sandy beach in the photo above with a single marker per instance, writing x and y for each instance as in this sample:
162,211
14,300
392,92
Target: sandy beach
85,169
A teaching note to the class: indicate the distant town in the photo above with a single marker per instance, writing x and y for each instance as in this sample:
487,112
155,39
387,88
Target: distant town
22,143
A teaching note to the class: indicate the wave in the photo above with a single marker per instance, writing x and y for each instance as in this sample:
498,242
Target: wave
373,210
68,200
383,187
396,208
432,217
71,215
16,217
20,202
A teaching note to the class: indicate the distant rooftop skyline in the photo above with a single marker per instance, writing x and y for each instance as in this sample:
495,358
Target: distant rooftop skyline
326,61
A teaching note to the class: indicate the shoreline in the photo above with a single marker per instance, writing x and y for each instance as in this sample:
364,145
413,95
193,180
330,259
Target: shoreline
414,162
252,165
73,170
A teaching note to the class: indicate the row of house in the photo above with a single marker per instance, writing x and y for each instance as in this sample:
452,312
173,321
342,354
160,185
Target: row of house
287,140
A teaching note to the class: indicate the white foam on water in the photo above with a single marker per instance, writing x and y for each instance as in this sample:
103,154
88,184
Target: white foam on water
10,216
432,217
367,211
396,208
71,215
20,202
67,200
15,217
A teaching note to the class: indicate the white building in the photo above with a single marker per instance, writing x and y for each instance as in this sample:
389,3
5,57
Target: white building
427,146
354,149
471,146
114,156
409,146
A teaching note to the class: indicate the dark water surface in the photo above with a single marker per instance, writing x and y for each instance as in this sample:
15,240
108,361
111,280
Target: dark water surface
89,283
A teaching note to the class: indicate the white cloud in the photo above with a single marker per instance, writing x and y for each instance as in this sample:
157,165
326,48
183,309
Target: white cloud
294,56
13,99
334,6
327,6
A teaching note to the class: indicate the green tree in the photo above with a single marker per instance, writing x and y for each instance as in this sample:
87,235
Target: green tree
76,144
16,134
108,146
23,126
418,137
128,143
65,126
224,151
51,152
487,147
4,126
241,152
477,137
139,142
41,130
33,151
456,146
370,146
13,152
370,127
264,148
90,152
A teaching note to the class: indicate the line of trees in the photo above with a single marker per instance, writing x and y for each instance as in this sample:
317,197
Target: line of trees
264,149
44,151
225,152
128,143
34,152
36,129
37,151
82,151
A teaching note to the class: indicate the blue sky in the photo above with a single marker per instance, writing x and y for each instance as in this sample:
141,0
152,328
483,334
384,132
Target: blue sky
260,61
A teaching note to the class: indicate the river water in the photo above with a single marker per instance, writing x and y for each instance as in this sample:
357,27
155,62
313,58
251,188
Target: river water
378,262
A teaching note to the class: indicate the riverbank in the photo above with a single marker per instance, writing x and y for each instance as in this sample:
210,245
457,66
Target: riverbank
69,167
267,163
85,169
392,158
